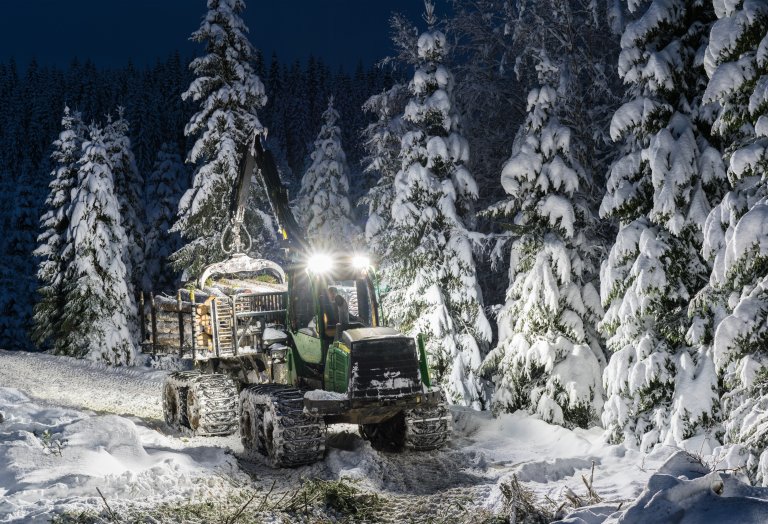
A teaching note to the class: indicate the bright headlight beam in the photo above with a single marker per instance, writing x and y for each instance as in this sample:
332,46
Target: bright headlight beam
361,262
319,263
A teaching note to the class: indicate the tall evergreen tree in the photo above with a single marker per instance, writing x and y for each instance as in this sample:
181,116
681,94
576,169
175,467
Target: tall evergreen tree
229,93
129,189
323,202
383,138
548,359
96,322
54,251
432,282
382,141
162,199
733,310
660,192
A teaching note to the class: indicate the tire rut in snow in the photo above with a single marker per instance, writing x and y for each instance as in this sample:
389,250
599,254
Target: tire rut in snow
82,384
425,473
434,487
430,487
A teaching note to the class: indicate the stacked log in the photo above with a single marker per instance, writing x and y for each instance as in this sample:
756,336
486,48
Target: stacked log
174,316
174,324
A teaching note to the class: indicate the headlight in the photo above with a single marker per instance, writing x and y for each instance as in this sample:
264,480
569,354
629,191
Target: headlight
361,262
319,263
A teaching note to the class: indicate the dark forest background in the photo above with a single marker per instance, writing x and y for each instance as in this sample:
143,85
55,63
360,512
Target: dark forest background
32,101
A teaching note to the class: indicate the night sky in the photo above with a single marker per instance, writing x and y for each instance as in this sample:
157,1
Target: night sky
110,32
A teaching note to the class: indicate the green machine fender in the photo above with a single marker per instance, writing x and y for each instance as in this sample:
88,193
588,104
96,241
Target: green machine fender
336,374
423,368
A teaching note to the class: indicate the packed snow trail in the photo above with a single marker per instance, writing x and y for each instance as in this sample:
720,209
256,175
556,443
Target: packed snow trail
69,427
84,384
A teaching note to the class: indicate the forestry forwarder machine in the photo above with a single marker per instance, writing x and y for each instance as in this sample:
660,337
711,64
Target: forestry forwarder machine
270,358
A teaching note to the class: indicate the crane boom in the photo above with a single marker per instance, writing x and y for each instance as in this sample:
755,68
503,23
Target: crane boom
277,194
257,158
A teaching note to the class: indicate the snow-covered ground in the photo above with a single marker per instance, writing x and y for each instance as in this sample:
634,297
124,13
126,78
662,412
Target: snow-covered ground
72,431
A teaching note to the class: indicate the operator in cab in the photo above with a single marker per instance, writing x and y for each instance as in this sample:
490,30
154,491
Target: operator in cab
340,304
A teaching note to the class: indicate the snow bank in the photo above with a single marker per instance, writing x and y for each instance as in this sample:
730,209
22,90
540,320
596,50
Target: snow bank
686,491
549,459
55,458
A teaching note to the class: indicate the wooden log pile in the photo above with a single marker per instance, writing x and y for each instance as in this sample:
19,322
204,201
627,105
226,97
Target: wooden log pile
174,325
176,316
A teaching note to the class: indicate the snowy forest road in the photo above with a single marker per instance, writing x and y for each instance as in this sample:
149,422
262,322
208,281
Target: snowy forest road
418,486
141,465
82,384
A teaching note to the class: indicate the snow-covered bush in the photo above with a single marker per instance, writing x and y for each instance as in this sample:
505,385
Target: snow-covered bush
431,281
323,207
660,191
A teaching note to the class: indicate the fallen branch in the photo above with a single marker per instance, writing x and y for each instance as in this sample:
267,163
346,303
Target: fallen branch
263,502
111,513
241,510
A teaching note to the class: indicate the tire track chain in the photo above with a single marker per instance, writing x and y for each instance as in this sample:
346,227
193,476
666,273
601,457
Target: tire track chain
427,428
175,398
212,405
276,427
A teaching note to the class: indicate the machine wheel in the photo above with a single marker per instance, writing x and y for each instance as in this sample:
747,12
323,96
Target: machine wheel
420,429
273,425
212,405
427,428
175,398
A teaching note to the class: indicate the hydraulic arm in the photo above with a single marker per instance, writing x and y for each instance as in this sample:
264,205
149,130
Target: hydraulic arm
258,158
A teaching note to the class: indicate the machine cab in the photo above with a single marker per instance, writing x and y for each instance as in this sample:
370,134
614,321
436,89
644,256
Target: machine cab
313,311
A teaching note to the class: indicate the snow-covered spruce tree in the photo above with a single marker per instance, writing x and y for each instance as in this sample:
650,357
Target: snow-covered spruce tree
54,250
660,389
17,280
736,236
431,278
229,93
95,324
548,359
129,190
129,186
382,143
323,207
162,195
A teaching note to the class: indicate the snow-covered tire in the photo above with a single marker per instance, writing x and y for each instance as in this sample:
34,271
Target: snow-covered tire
212,405
427,428
420,429
273,426
175,398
